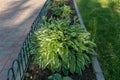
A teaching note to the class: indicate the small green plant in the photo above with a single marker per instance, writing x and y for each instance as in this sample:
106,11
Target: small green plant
62,47
61,11
60,3
57,76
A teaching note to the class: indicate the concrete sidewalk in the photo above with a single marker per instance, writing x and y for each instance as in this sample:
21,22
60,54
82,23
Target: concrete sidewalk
16,18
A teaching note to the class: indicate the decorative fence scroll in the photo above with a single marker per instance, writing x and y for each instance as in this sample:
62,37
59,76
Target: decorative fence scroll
20,65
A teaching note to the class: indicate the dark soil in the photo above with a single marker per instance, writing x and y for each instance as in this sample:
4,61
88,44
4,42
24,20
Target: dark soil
35,73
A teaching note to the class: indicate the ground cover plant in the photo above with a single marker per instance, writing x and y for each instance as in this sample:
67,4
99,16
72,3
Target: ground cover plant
102,19
62,47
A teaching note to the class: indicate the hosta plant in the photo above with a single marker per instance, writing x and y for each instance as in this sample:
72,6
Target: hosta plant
62,47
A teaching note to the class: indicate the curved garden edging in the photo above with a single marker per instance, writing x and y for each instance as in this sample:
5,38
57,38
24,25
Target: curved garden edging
20,65
96,66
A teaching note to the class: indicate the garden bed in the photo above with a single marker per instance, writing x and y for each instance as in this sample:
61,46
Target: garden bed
34,72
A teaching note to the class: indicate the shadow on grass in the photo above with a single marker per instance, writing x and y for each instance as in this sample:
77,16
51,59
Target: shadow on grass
103,21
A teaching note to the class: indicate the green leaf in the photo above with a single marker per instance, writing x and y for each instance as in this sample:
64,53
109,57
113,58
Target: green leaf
72,63
56,76
65,71
67,78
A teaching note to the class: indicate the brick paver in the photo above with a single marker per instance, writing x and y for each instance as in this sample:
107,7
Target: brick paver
16,17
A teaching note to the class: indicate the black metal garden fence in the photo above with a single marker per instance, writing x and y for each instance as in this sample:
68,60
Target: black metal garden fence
20,65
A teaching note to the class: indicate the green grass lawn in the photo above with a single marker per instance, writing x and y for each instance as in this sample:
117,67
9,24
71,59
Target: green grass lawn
102,19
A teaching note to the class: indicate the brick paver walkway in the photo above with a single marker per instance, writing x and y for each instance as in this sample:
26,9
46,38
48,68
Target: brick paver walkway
16,17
